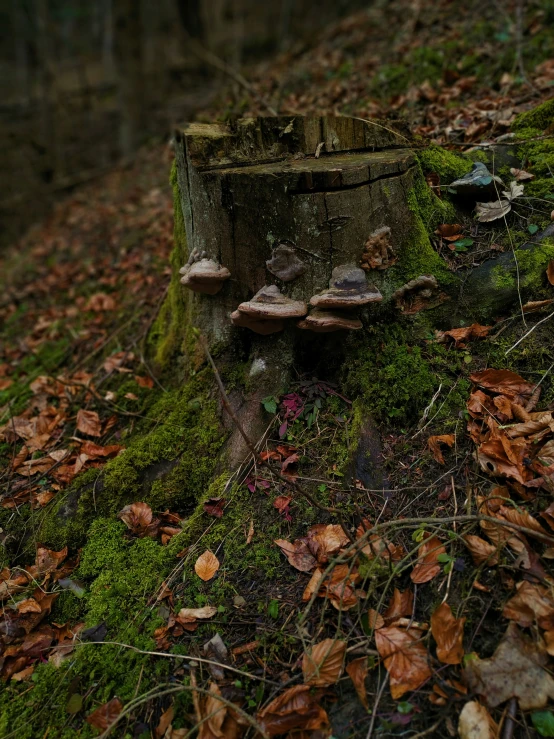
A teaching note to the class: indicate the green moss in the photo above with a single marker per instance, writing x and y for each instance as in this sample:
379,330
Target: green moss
537,153
395,377
539,118
418,257
171,330
447,164
186,434
532,264
121,576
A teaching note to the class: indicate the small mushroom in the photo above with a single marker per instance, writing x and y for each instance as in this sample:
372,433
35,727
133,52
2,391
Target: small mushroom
326,321
347,289
270,303
284,263
204,276
259,325
378,251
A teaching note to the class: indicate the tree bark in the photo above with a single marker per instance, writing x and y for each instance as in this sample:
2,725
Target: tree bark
129,62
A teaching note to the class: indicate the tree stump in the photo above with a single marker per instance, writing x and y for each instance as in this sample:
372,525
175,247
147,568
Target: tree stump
285,201
297,226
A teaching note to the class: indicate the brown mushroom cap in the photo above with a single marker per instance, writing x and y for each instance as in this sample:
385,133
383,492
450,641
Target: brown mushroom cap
204,276
347,289
262,326
326,321
270,303
284,263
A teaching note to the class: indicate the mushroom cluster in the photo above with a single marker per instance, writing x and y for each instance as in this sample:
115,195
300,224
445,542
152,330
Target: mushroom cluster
347,291
203,275
378,250
267,311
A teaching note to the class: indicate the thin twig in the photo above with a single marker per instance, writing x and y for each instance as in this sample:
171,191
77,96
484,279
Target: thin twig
528,332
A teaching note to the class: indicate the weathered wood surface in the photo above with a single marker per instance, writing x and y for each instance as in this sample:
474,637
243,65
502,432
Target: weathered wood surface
318,185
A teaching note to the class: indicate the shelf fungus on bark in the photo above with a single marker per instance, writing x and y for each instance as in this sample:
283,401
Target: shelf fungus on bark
418,294
284,263
347,289
266,312
477,183
378,250
204,276
326,321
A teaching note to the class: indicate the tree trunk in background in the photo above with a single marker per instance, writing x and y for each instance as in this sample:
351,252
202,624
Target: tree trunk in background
20,35
107,42
49,124
190,13
129,67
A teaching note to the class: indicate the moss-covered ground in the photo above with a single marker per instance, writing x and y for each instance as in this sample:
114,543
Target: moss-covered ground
393,382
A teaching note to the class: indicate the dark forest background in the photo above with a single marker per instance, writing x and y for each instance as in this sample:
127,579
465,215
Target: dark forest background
85,83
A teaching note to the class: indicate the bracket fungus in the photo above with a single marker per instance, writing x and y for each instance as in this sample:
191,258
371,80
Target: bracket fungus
284,263
347,289
417,294
204,276
267,310
476,184
326,321
378,250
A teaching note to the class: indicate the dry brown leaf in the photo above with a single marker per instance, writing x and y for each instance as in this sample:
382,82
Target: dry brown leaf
194,613
448,633
144,381
206,565
100,302
550,272
521,517
339,587
322,666
117,361
139,519
482,552
326,540
476,722
48,560
88,422
250,534
298,554
405,658
105,715
521,175
516,670
214,711
464,333
313,585
164,723
427,566
534,305
531,603
357,670
401,604
295,710
434,442
374,619
503,382
450,231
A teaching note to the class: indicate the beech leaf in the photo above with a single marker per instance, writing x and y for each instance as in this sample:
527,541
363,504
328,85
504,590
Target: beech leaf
516,670
105,715
322,666
88,422
297,709
448,633
476,722
357,671
427,566
405,658
206,565
492,211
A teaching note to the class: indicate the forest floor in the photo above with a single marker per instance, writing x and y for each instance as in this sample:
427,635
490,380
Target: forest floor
425,606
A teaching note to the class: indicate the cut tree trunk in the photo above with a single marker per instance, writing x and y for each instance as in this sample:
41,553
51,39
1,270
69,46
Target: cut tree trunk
328,193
